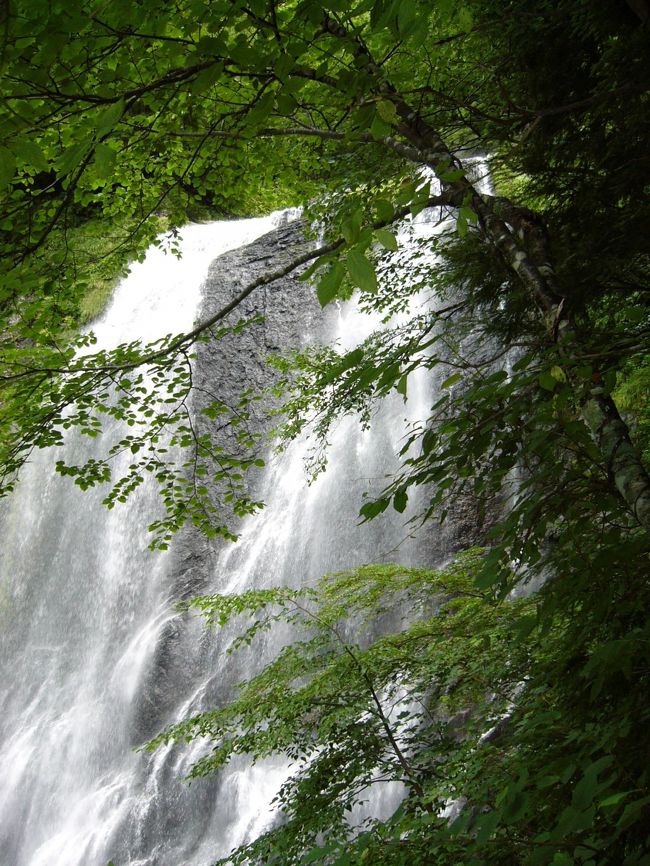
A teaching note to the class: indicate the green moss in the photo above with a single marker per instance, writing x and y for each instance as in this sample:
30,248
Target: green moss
632,396
95,300
101,247
91,257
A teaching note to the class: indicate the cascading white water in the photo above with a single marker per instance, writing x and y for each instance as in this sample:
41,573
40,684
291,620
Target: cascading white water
85,611
82,606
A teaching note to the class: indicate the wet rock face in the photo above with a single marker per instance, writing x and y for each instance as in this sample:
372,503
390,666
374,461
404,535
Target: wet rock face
286,313
288,308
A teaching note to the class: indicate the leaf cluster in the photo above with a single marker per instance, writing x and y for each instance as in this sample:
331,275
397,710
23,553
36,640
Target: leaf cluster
468,705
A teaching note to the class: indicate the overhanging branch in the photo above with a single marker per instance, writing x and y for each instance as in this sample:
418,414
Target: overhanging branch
183,340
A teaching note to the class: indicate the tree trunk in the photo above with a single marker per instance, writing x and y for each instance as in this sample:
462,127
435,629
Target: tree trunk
624,467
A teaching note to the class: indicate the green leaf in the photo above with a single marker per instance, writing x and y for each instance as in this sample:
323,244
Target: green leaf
207,78
429,441
486,825
465,18
330,283
573,820
384,14
384,209
351,227
31,154
351,359
547,380
562,859
104,160
109,119
400,500
387,239
372,509
209,45
468,215
7,166
451,380
545,781
283,66
319,853
379,129
614,799
73,157
361,271
259,114
558,374
631,812
387,111
450,175
406,17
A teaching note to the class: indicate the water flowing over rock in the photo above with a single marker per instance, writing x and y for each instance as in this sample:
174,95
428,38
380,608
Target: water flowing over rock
94,657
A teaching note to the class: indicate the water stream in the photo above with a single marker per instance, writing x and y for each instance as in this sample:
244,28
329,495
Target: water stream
91,648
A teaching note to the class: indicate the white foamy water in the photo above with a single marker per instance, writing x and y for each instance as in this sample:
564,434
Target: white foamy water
93,657
83,606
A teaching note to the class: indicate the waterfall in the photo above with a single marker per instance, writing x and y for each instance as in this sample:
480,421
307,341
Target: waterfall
94,657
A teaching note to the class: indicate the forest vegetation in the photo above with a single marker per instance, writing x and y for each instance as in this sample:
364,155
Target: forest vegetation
530,714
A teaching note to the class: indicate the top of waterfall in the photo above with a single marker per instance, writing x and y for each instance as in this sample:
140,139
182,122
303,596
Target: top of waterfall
160,295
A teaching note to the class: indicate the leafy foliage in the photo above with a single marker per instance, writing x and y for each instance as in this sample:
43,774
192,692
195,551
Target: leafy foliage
539,327
465,700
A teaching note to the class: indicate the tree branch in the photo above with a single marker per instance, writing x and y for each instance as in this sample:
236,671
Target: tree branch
183,340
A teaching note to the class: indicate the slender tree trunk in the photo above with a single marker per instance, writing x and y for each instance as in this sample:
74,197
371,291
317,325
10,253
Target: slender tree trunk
625,469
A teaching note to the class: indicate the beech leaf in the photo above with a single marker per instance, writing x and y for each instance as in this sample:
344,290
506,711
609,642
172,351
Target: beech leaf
361,271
